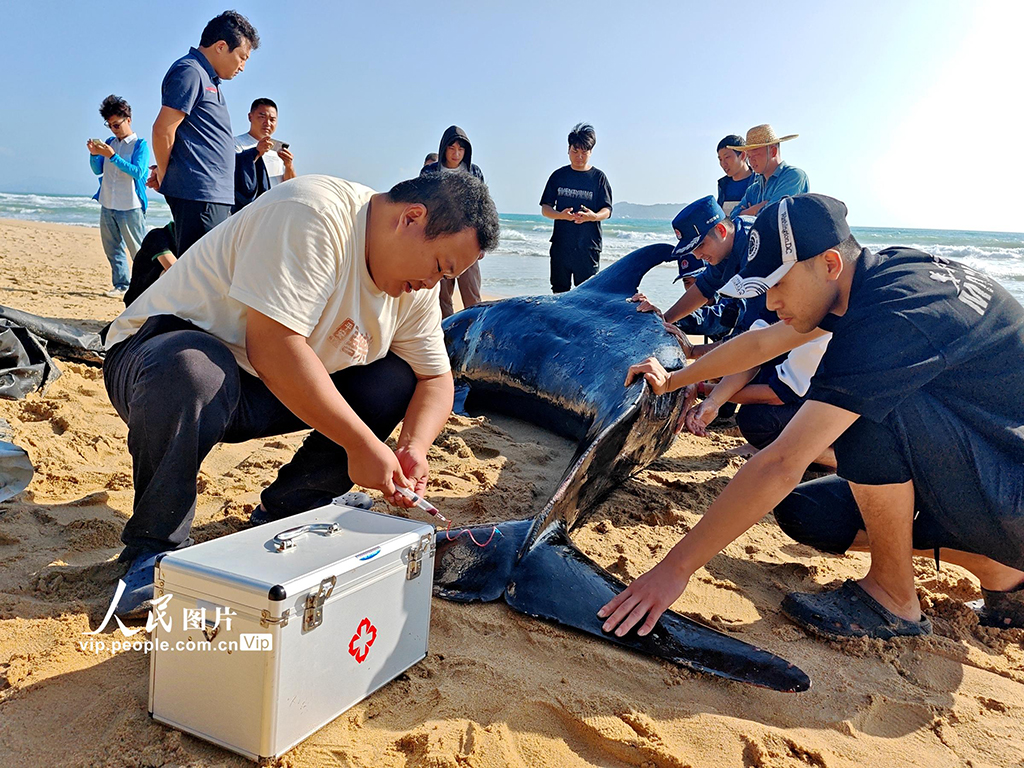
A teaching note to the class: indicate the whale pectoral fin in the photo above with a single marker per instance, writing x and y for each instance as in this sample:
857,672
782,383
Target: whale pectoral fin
465,572
555,581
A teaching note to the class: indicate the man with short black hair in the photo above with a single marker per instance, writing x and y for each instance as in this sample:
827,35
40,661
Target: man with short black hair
313,307
192,140
738,175
578,197
919,390
706,233
261,162
123,163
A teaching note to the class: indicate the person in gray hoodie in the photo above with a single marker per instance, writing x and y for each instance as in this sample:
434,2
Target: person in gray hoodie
455,154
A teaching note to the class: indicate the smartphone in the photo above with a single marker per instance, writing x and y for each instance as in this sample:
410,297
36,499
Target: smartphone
278,145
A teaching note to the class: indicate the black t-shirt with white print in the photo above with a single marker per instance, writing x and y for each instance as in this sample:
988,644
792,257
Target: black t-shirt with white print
921,322
567,188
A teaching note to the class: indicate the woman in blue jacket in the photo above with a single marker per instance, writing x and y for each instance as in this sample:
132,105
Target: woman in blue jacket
123,162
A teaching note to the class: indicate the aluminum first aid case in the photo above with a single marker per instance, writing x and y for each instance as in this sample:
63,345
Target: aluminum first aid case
325,607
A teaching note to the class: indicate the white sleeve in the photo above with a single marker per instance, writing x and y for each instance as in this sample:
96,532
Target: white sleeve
419,339
287,264
800,365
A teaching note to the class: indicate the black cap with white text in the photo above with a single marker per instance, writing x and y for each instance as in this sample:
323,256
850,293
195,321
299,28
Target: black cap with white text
794,229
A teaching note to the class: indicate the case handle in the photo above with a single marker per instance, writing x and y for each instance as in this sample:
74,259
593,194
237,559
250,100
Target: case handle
286,539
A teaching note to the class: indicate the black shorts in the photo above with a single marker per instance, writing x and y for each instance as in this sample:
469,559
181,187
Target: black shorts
823,514
761,423
969,496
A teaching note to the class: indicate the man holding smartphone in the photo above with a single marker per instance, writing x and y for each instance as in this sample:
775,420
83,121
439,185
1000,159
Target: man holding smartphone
121,162
261,162
578,198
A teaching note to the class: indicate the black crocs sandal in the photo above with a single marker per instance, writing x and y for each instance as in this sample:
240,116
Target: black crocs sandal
1004,610
848,612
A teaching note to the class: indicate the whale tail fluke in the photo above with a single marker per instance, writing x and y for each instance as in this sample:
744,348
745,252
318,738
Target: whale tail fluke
557,582
466,572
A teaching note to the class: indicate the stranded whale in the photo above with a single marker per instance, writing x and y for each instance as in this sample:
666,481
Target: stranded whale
559,362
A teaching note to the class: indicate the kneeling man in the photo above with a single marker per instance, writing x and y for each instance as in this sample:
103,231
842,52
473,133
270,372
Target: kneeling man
313,307
919,390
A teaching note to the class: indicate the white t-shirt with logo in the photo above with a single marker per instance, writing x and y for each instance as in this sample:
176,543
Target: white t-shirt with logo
296,254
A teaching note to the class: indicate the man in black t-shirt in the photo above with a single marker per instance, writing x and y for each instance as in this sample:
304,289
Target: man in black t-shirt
578,197
922,391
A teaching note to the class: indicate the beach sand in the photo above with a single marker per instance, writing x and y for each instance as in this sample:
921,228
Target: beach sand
496,688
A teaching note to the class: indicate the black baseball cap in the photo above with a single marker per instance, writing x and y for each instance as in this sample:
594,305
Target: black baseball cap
794,229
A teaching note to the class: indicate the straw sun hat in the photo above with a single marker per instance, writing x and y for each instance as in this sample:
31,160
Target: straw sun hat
762,136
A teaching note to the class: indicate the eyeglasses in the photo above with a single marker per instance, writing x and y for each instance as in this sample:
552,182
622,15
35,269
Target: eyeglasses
114,126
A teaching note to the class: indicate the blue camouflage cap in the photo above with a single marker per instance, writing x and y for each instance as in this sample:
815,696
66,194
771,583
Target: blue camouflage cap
689,266
694,222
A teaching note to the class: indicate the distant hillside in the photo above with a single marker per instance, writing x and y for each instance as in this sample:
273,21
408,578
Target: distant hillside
662,211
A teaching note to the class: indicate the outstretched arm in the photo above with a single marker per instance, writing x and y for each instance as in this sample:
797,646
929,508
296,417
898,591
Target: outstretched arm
748,350
756,489
291,370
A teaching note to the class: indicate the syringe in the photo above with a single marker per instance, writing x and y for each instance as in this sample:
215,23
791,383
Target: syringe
420,502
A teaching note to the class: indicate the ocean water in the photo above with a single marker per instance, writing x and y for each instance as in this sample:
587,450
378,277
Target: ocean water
520,265
70,209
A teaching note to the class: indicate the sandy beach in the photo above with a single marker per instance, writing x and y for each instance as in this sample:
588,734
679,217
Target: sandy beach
496,688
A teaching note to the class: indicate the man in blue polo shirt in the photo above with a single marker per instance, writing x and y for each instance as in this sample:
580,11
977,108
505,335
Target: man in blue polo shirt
192,139
775,179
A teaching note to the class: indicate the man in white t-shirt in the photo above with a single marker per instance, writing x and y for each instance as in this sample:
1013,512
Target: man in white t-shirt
261,162
314,307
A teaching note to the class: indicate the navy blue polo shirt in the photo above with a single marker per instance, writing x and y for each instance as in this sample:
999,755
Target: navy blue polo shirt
711,280
202,164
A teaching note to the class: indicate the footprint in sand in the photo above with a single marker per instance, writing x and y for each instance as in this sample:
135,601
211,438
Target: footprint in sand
64,583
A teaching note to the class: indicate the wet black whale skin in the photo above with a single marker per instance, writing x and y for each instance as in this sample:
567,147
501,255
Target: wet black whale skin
560,362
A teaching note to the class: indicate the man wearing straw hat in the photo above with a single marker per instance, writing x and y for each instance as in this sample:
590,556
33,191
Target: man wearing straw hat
775,178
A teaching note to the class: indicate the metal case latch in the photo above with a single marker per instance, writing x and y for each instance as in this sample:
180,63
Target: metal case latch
313,616
425,544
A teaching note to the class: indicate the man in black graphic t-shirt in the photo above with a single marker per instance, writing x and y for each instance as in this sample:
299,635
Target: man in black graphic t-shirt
921,390
578,197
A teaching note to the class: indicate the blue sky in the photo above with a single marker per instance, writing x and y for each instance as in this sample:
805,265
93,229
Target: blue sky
905,110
